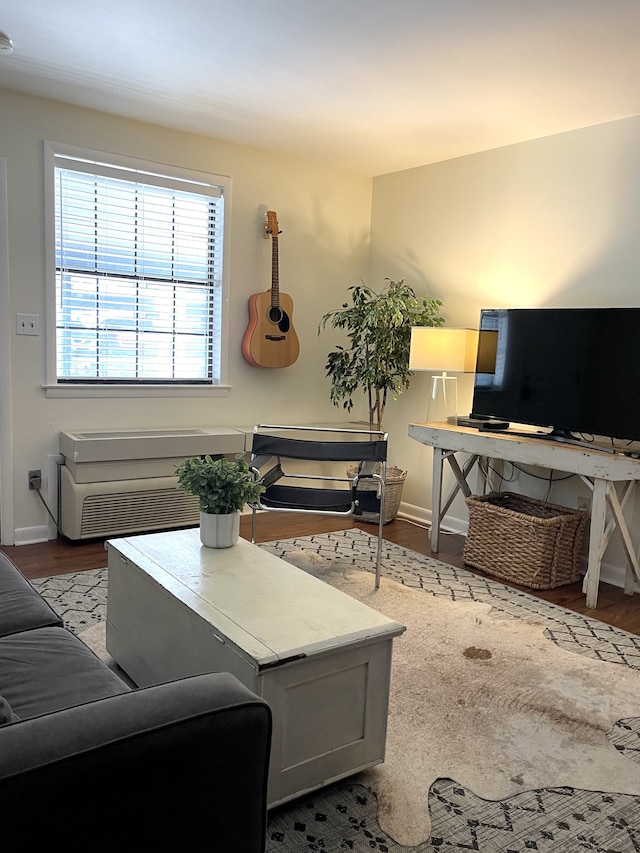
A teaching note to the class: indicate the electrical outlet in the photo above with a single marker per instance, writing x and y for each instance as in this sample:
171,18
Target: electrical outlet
35,479
584,504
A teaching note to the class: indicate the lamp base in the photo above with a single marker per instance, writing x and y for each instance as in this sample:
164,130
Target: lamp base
443,402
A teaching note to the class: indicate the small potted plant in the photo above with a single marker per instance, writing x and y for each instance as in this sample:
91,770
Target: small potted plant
376,359
223,486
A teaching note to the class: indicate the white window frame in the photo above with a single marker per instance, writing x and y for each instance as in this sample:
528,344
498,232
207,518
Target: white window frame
52,387
7,533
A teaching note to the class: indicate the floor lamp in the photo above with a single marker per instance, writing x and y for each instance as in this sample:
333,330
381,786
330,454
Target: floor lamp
447,351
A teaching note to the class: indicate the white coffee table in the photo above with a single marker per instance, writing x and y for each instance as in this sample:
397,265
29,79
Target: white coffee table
321,659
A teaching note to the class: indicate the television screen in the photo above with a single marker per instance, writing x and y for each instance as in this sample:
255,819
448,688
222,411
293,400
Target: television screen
575,371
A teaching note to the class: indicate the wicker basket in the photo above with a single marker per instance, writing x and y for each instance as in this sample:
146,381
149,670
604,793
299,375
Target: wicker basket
523,540
393,483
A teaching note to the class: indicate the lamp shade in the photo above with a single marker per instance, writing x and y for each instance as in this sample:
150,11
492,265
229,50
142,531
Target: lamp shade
487,351
442,349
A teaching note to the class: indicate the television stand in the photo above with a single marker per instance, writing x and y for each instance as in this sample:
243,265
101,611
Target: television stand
612,478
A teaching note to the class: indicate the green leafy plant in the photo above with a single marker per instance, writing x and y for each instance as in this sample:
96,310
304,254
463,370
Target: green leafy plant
376,360
222,485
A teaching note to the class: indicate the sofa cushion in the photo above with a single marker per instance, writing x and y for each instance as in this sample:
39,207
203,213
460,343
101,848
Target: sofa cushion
21,607
6,713
50,668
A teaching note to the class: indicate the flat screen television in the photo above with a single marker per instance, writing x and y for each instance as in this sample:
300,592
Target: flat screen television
572,371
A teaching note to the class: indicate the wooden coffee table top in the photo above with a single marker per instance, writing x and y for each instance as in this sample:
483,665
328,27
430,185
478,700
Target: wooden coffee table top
270,609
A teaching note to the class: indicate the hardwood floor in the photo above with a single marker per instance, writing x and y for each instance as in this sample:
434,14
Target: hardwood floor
61,556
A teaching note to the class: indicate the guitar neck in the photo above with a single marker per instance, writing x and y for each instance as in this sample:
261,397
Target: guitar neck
275,288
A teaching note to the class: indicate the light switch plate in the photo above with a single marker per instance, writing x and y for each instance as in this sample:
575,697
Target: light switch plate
27,324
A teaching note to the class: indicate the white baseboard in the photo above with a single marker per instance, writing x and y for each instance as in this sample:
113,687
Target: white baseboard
614,575
31,535
420,515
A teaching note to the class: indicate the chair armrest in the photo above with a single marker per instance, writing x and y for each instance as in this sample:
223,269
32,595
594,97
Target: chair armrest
173,764
271,475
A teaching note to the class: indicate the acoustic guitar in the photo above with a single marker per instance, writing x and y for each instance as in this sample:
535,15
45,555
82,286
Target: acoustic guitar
270,339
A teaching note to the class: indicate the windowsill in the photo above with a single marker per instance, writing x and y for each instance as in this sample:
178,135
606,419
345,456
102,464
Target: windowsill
77,390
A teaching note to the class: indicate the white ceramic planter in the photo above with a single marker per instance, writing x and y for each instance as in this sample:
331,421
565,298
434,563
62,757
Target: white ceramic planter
219,531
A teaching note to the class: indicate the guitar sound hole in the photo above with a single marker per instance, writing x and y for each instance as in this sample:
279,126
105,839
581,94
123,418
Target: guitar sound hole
277,315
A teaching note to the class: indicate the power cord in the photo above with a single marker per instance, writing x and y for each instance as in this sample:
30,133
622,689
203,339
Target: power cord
36,487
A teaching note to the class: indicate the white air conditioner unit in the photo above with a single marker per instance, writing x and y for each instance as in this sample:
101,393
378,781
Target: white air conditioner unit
118,482
121,507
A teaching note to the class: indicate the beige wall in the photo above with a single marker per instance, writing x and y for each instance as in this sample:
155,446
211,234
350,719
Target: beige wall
324,214
552,222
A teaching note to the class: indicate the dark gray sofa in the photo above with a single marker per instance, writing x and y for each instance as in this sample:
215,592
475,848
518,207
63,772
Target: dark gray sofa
86,760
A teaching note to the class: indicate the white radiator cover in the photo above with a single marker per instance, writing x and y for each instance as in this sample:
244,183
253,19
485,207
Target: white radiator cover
119,507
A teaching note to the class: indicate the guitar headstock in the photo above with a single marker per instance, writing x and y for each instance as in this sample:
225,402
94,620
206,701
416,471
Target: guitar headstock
272,228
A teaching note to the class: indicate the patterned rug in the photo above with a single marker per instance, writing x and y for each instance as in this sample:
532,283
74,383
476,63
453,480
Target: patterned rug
344,816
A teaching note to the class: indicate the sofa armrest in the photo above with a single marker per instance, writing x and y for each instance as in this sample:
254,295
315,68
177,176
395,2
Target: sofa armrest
172,765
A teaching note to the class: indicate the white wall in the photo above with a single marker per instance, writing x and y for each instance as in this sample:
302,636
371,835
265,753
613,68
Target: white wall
552,222
324,214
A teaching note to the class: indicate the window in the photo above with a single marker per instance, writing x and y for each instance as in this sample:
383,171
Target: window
139,273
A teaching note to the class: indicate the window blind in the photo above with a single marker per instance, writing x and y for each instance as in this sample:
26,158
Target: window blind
138,275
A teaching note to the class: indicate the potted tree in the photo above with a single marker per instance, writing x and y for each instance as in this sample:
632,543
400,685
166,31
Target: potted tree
376,358
223,486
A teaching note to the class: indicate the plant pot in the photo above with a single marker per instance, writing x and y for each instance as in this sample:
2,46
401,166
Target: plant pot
219,531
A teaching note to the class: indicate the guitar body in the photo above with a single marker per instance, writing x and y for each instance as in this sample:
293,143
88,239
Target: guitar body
270,339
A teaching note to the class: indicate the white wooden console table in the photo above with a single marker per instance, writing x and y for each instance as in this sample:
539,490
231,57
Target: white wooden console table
611,477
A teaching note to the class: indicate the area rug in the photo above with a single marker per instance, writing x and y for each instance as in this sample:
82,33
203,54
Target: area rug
460,743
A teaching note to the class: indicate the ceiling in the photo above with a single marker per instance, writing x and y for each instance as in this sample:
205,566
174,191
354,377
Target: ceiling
371,85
